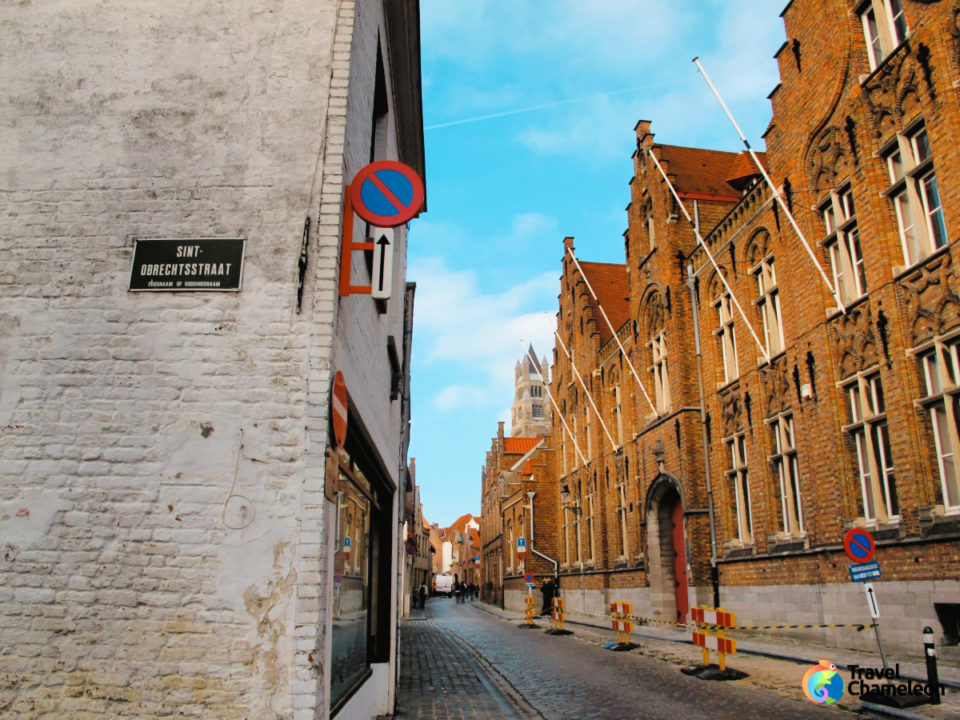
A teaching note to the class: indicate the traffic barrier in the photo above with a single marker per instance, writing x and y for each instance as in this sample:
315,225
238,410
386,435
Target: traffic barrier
530,611
719,620
557,616
621,611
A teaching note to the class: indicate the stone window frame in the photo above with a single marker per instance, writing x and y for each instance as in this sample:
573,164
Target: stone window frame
870,445
843,244
768,305
621,490
591,530
786,473
617,404
882,37
939,369
913,189
726,338
738,479
660,371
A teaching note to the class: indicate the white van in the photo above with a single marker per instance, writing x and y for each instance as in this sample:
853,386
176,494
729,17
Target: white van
443,584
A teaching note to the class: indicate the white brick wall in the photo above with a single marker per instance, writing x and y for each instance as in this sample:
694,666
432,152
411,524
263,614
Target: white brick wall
163,534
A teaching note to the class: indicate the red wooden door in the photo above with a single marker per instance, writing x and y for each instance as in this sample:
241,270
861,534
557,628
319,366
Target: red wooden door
679,561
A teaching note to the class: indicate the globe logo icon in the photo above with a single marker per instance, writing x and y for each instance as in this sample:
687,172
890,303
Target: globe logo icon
822,683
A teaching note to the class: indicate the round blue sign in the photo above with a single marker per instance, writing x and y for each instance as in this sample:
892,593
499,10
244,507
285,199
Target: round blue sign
859,545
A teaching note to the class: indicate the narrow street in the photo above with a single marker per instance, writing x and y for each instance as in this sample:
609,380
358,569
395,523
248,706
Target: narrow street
462,661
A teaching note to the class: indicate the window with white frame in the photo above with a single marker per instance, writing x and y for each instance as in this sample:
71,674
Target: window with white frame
871,444
622,517
768,303
649,225
725,337
738,481
787,474
661,378
884,28
940,368
586,431
915,195
843,244
577,529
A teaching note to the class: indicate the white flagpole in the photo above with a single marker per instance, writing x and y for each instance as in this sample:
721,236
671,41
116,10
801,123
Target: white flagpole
586,392
776,193
556,408
613,331
713,262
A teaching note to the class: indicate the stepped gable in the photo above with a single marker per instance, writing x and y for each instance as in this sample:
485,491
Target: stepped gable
609,282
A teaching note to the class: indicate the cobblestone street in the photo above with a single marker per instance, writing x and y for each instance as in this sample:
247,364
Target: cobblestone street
461,661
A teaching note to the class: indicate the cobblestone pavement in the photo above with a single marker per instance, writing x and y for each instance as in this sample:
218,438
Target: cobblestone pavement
463,662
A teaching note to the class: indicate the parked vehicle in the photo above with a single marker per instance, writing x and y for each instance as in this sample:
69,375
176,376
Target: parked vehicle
443,584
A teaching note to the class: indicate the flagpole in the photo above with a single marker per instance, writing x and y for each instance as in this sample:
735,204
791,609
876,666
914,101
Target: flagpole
776,193
713,262
613,331
586,392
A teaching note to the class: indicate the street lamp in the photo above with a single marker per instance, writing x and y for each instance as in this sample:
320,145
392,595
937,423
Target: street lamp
565,499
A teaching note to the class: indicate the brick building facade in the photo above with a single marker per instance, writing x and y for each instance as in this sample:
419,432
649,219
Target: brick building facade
732,474
174,522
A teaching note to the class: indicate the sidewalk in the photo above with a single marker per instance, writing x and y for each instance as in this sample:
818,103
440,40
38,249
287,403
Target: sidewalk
795,651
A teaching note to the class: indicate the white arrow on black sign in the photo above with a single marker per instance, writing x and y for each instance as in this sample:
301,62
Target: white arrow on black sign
872,600
382,263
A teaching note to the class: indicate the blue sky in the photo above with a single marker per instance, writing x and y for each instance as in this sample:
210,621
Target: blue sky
529,114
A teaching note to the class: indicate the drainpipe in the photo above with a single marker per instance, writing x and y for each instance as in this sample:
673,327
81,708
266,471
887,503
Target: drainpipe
556,566
714,570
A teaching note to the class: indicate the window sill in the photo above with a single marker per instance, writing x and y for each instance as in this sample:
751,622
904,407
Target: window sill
780,543
735,550
937,520
865,79
900,271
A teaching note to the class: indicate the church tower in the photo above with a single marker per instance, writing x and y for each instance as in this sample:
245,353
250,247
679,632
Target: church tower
530,415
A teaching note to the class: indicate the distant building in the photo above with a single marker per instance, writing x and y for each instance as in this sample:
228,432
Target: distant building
531,414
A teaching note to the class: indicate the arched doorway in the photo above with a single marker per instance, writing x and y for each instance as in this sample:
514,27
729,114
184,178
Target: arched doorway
666,542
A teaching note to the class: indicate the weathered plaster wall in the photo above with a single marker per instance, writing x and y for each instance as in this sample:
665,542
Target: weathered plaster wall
161,513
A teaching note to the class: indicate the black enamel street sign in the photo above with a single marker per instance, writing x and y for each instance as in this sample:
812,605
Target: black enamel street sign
187,264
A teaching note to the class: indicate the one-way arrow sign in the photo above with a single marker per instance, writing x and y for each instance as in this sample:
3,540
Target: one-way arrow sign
872,600
382,263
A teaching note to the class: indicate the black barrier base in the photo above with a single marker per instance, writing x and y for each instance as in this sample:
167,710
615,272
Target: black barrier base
551,631
528,627
893,700
713,672
620,647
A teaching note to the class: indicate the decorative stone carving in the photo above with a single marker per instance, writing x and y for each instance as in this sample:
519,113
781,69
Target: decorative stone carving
828,158
933,306
775,382
893,93
731,410
855,336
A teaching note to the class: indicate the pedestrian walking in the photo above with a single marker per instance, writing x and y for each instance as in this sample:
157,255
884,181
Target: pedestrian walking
423,595
549,590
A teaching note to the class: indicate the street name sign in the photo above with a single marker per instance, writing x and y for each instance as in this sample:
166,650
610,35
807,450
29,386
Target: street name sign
187,265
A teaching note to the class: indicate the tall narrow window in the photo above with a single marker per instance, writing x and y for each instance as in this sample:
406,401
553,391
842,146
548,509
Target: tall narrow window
591,556
884,28
940,368
871,445
738,481
617,414
768,302
916,195
622,517
661,379
787,474
648,223
726,339
843,243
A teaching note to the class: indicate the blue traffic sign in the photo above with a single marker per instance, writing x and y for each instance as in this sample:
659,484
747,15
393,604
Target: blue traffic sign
861,572
859,545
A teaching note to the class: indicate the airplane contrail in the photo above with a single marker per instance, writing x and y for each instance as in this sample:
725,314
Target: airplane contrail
532,108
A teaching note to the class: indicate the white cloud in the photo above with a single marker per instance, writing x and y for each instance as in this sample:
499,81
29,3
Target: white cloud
479,334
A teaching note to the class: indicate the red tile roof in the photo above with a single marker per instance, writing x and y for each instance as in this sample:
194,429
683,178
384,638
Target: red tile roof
460,524
609,282
700,173
520,445
744,168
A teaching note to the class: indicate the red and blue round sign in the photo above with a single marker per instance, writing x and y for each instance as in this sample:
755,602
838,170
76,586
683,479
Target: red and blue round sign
859,545
386,193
